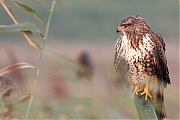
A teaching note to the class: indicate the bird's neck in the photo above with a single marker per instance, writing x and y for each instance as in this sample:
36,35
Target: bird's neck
134,38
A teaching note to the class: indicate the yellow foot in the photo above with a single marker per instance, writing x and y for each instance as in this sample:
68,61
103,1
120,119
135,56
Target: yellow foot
146,92
136,90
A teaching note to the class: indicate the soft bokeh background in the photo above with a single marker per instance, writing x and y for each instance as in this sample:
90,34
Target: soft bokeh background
86,25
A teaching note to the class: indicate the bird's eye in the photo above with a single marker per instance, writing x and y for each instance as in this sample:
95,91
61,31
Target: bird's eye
126,25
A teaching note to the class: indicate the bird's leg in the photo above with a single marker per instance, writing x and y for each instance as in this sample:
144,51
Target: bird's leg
146,92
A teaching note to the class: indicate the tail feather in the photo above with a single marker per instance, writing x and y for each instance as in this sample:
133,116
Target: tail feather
160,108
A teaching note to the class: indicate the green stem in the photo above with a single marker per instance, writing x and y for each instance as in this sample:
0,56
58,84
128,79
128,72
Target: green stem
144,108
49,19
40,58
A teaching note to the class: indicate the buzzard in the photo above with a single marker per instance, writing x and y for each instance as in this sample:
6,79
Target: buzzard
141,61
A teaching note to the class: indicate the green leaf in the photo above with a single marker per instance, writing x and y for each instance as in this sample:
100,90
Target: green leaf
20,27
26,29
64,60
32,40
27,34
30,11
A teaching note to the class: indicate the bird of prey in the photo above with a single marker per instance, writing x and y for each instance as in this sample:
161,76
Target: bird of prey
141,61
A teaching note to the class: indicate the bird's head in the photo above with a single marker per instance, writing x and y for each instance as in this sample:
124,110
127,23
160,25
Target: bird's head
131,24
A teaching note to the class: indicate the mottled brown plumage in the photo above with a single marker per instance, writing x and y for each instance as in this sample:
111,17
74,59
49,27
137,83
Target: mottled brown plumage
140,58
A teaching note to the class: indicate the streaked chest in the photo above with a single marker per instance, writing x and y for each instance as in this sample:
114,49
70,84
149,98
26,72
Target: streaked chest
140,52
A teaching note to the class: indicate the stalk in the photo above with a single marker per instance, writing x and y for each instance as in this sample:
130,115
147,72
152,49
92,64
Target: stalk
40,58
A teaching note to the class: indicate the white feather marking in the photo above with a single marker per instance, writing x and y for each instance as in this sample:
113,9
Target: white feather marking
128,52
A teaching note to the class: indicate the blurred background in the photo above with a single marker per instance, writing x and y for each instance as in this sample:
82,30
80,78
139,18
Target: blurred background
83,32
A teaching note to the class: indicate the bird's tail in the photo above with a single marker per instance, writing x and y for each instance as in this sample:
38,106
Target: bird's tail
160,108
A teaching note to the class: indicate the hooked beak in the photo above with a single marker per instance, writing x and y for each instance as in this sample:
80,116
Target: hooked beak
118,30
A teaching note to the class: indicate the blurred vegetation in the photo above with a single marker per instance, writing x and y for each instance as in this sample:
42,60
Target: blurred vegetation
62,92
98,19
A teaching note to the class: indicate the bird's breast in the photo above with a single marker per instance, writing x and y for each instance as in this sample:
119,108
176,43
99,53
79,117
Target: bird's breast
136,54
138,60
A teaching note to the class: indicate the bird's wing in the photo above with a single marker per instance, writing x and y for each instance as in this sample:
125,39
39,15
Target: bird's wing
161,67
161,70
119,62
117,58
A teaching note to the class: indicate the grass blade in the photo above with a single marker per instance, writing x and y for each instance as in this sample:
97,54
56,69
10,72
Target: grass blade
32,40
24,98
13,67
43,2
62,59
65,61
9,11
30,11
20,27
27,34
